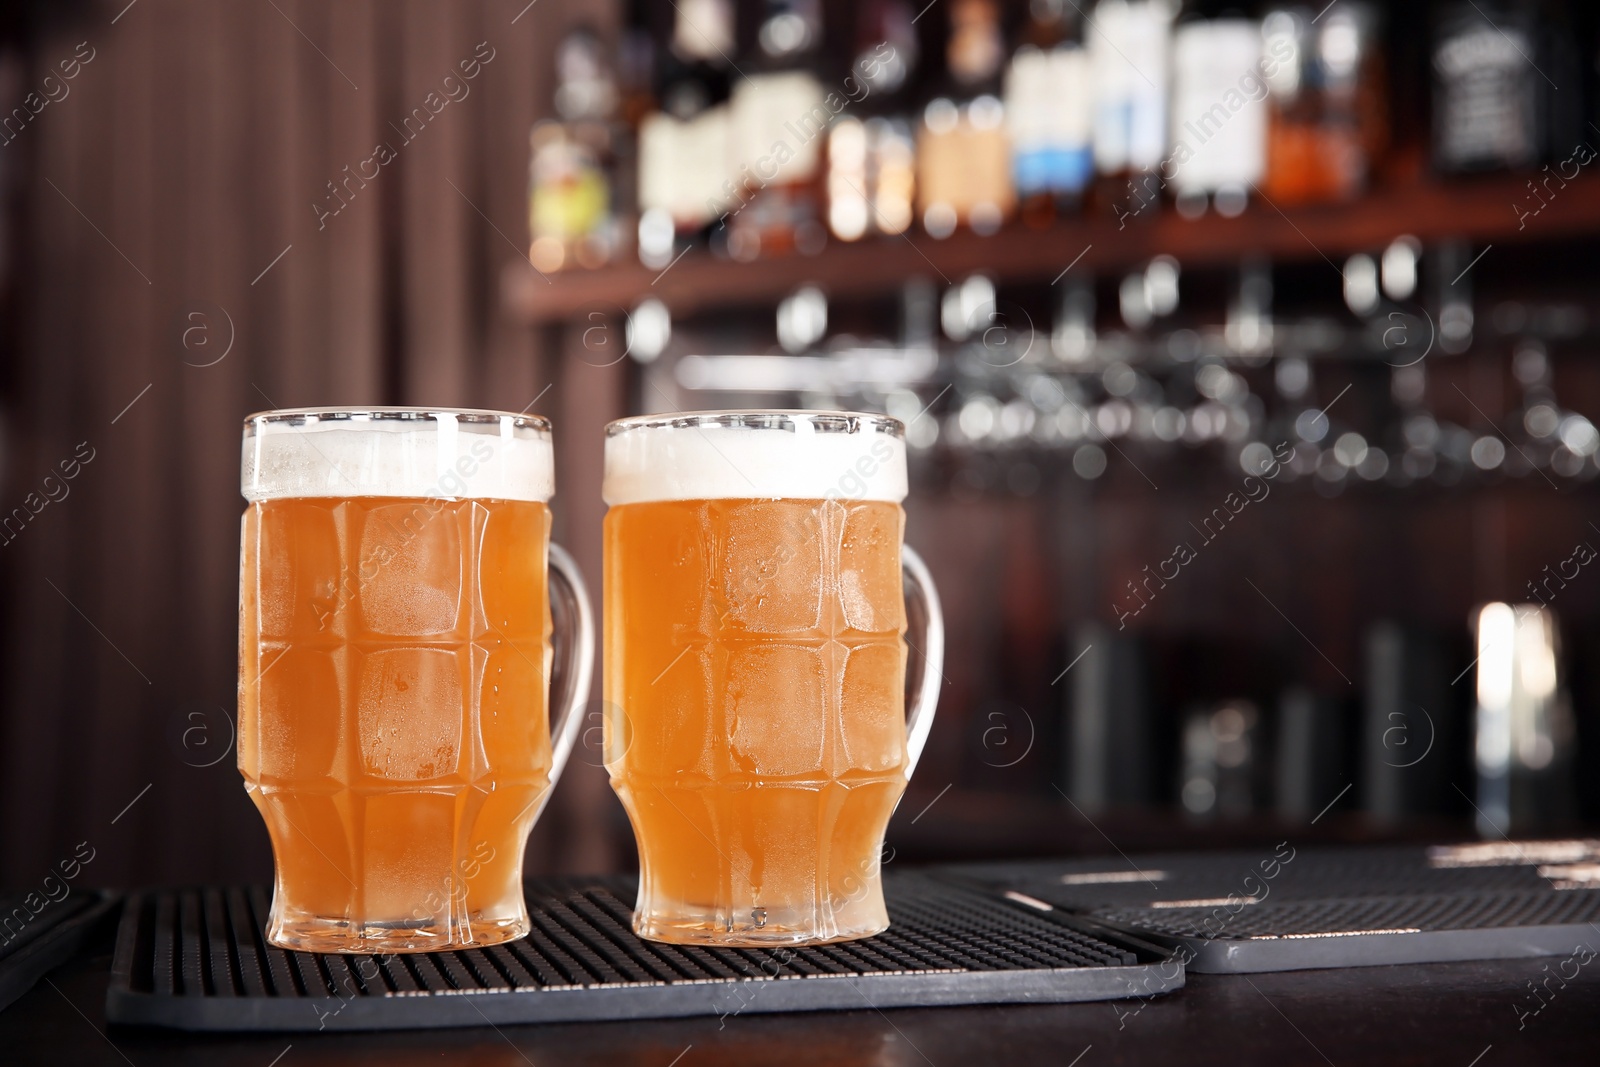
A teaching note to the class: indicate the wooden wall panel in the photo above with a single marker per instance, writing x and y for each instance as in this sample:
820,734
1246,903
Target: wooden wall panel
205,340
196,142
438,364
355,275
511,91
130,567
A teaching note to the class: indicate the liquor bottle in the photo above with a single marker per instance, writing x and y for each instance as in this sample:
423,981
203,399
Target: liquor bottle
1486,100
1309,756
963,160
636,66
572,162
871,152
780,115
1049,105
1328,112
1411,726
887,49
1497,69
1523,724
1562,38
683,148
1219,119
1130,60
1110,751
636,100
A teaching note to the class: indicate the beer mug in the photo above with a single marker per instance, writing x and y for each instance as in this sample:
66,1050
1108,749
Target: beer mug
395,669
756,668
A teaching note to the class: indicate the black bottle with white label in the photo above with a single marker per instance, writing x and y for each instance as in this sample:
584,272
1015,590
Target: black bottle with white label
1499,69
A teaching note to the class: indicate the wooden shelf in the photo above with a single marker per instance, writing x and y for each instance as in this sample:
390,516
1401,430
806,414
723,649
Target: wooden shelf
1482,210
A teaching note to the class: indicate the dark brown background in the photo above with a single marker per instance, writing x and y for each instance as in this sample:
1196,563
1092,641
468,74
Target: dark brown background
186,157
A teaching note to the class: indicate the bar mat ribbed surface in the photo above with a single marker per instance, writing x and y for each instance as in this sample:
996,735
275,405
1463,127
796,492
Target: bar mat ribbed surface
38,934
196,960
1287,909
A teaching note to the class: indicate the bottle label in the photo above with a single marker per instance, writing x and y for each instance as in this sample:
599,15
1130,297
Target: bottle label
1128,51
1050,118
1219,112
1487,100
779,122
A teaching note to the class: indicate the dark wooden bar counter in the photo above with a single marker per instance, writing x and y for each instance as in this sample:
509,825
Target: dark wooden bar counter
1459,1014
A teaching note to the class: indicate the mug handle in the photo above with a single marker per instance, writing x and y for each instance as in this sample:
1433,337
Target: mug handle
924,617
573,661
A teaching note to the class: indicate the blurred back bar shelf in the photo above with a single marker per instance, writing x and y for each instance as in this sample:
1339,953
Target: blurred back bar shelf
721,153
1477,211
1246,353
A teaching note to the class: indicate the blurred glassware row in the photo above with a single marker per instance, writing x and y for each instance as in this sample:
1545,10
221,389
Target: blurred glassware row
975,376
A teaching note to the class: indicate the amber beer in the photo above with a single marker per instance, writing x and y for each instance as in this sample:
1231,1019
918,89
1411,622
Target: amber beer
394,661
755,669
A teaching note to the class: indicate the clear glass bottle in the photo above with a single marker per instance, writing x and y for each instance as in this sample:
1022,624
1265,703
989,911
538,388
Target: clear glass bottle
871,155
1049,101
1328,106
572,213
1130,53
1219,112
963,156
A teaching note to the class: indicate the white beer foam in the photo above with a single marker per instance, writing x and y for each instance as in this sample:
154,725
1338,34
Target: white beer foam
712,462
437,457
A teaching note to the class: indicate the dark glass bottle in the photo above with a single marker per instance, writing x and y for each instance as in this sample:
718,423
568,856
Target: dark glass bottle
779,119
683,148
1507,86
1489,110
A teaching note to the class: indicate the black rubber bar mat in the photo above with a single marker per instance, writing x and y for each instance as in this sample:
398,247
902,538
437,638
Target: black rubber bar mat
1282,909
196,960
39,934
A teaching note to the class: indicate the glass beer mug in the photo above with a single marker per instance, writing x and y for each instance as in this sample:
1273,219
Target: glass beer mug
755,668
395,669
